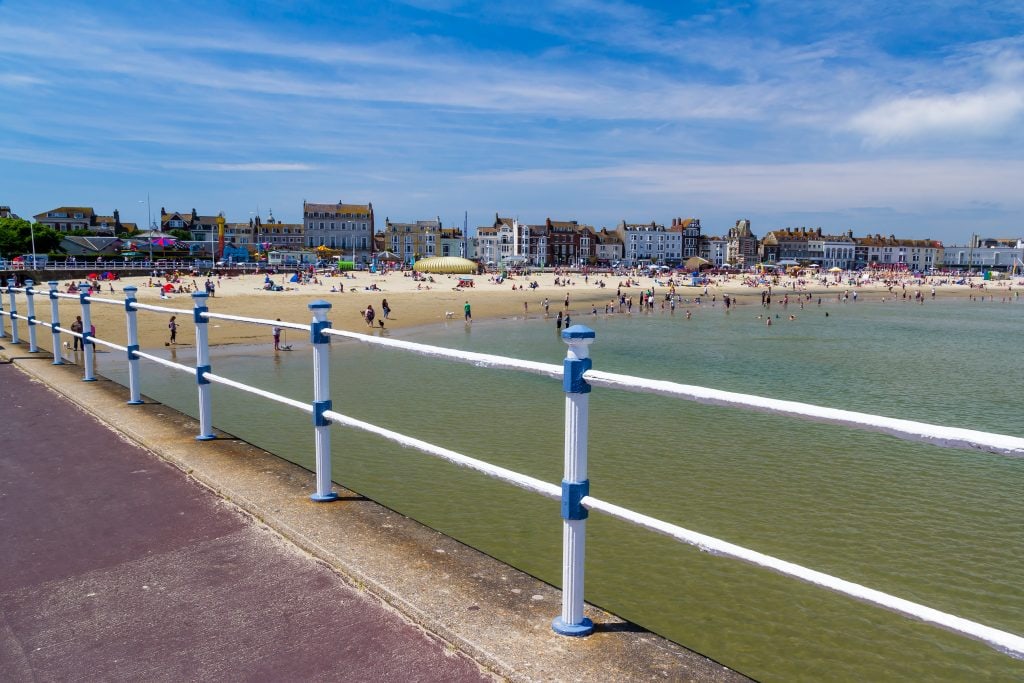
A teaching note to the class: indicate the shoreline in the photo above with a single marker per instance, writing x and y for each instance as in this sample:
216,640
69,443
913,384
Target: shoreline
413,309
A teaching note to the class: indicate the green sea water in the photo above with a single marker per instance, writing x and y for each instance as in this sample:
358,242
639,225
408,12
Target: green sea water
938,526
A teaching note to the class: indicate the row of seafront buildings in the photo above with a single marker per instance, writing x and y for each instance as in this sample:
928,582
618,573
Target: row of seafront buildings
352,229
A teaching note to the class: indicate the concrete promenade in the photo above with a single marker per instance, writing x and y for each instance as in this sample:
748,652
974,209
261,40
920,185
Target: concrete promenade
142,554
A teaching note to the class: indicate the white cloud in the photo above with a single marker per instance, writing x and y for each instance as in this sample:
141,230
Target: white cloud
244,168
19,80
978,113
905,184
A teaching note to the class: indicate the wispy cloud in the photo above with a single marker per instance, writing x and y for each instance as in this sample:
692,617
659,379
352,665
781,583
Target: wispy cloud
254,167
11,80
978,113
904,183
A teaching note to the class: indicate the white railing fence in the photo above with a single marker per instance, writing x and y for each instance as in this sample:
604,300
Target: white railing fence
577,378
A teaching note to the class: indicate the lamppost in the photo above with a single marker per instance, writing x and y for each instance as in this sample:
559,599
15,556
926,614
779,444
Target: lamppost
149,227
32,234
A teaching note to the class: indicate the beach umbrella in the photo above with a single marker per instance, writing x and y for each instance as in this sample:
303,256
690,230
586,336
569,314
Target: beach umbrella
164,242
835,269
387,256
92,276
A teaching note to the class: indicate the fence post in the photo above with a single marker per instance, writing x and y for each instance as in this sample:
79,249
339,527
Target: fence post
134,393
3,314
13,312
58,353
575,485
30,307
321,399
88,349
202,365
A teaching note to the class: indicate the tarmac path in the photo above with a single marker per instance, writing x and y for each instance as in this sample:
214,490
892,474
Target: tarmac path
114,565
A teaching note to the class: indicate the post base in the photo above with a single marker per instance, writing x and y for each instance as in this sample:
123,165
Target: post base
57,362
584,628
205,437
88,379
324,498
135,403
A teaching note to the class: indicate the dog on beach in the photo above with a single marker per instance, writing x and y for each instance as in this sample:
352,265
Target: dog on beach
67,346
449,315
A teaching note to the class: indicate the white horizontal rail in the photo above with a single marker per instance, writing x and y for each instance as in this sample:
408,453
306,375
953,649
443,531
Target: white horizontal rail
104,342
255,321
483,360
59,295
162,309
166,363
101,300
258,392
1001,640
515,478
938,435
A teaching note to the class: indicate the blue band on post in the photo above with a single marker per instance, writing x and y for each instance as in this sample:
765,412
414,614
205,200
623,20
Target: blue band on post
318,413
572,493
197,314
128,304
316,335
29,291
31,320
81,297
572,375
54,324
201,374
86,338
53,294
132,348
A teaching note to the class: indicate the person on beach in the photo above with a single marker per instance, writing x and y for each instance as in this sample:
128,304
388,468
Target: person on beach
77,327
468,312
173,327
277,336
558,321
385,308
546,304
369,315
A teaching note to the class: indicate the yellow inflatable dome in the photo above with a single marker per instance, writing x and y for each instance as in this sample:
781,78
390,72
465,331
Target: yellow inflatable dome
446,265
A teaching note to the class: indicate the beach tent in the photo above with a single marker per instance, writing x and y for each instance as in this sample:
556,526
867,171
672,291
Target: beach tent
387,256
835,269
445,265
696,263
168,287
295,278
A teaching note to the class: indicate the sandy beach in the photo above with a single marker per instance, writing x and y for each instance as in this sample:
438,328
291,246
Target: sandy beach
416,303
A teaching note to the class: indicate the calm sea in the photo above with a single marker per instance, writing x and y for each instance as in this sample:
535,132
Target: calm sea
941,527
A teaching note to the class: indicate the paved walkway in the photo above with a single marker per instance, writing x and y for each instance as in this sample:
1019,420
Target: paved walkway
115,566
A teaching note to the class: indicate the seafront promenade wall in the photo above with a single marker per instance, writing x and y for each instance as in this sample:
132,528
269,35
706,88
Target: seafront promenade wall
491,611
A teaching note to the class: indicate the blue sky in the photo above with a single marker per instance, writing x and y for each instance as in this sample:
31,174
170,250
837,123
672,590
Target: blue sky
873,116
